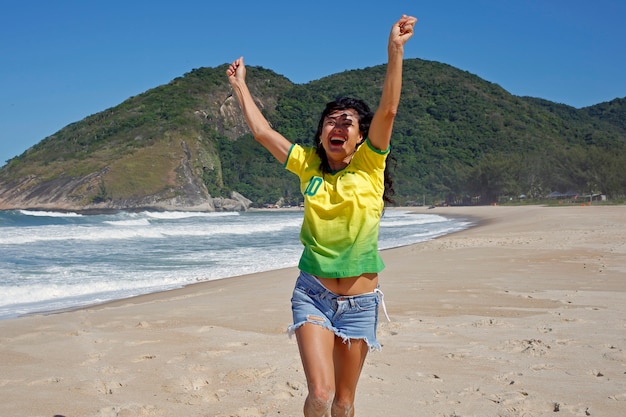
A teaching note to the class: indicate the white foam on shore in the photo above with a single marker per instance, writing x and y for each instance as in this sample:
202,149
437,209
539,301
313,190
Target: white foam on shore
58,261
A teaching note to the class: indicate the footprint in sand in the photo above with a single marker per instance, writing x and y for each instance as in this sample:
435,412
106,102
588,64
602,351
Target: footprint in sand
248,412
130,411
49,380
108,387
489,323
615,354
389,329
196,384
142,342
618,397
597,373
508,378
247,375
143,358
533,347
288,390
541,367
236,344
510,400
93,358
193,391
216,353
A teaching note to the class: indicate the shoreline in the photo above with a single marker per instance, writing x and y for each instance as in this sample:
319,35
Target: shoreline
521,315
474,220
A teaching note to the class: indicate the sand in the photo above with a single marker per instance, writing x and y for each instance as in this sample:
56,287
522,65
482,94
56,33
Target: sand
523,315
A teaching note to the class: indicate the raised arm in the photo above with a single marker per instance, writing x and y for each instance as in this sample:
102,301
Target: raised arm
382,123
273,141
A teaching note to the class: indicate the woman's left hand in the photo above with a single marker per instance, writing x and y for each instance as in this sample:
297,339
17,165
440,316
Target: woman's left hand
402,30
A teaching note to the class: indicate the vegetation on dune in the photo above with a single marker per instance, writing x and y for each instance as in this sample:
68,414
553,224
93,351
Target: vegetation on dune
457,139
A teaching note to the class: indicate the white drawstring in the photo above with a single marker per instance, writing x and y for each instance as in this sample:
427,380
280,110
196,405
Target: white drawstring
381,296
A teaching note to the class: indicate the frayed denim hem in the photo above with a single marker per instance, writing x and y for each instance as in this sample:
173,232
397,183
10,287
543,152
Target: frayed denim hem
291,331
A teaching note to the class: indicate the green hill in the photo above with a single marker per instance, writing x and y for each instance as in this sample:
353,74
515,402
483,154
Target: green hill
457,138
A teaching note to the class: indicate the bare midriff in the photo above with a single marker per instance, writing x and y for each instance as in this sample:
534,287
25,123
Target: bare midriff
362,284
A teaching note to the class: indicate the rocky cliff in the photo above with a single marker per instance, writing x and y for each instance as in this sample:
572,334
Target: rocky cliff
156,150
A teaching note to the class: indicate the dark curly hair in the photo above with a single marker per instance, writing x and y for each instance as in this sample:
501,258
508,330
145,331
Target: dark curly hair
365,119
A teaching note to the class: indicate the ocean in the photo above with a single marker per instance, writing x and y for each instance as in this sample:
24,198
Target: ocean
53,261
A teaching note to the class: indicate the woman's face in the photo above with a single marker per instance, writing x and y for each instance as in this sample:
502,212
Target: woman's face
340,137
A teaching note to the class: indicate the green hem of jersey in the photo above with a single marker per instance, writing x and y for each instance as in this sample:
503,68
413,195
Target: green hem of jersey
339,274
288,155
378,151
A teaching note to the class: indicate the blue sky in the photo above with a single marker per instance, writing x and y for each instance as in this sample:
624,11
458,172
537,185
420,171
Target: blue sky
63,60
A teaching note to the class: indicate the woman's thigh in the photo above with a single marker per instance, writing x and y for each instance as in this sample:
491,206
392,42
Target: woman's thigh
317,345
348,361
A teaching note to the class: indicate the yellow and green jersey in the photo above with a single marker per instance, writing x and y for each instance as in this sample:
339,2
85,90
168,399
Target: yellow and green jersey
342,212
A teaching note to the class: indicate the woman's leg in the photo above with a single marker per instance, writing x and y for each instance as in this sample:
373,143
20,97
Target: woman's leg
316,346
348,360
332,369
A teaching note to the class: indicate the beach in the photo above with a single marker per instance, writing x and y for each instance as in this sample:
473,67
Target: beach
522,315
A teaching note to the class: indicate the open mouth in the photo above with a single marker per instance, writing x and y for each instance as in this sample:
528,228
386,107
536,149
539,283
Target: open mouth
336,141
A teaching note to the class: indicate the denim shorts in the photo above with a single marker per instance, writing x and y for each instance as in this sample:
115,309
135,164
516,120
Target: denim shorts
349,317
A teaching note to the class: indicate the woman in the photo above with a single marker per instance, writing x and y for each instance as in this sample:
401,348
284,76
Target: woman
336,297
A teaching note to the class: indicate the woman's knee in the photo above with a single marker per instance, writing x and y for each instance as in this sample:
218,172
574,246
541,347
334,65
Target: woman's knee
320,399
342,407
